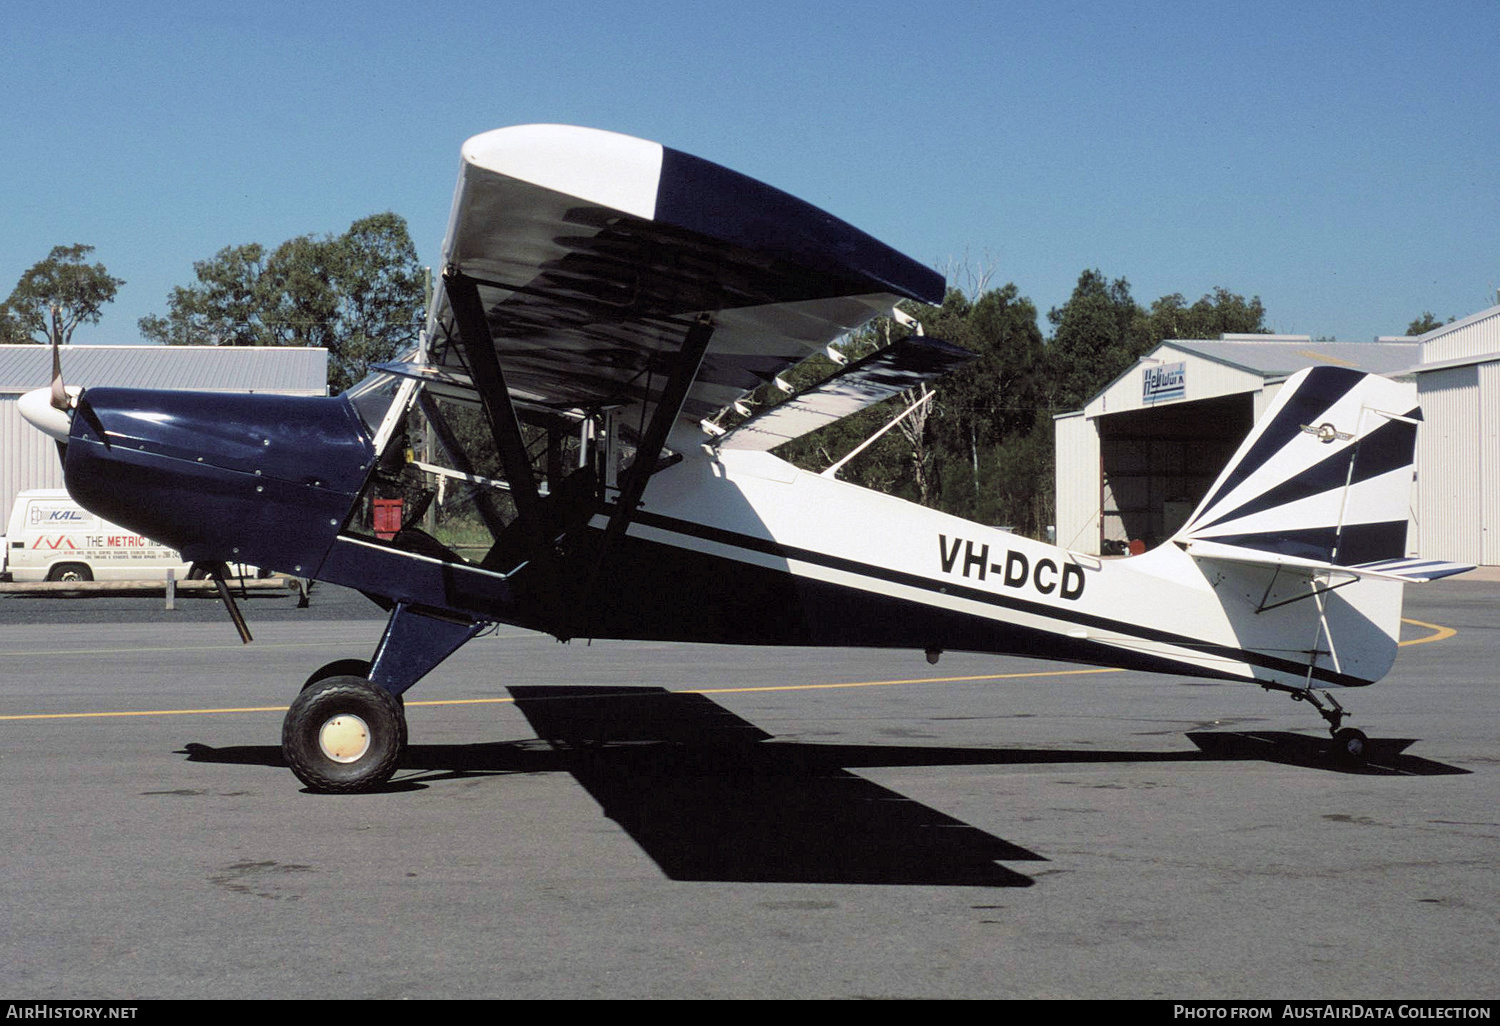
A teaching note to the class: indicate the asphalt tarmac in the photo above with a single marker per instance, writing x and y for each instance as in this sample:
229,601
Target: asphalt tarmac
713,822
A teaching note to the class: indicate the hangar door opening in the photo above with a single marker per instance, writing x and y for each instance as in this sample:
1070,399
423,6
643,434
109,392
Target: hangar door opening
1158,463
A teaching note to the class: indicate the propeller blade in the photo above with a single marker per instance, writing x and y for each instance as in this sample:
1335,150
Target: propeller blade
60,398
50,409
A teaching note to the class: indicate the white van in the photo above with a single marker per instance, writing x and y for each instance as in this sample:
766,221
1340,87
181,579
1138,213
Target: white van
52,538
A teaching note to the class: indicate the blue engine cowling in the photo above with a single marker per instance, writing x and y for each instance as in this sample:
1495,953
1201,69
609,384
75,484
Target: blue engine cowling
221,477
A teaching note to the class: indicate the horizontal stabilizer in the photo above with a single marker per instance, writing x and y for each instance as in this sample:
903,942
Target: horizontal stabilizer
1415,571
897,368
1408,571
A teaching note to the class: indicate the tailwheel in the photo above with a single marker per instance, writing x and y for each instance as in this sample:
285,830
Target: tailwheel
343,735
1351,744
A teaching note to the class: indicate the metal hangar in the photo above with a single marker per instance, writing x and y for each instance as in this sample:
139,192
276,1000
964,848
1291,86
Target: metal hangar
1133,463
1457,505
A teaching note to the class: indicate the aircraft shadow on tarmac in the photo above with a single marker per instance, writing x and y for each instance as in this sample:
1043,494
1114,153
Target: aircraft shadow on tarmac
710,796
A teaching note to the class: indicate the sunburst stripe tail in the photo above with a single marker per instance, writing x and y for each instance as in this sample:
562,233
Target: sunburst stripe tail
1326,474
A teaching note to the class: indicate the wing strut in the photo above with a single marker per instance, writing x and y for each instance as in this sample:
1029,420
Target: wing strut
494,396
455,452
668,408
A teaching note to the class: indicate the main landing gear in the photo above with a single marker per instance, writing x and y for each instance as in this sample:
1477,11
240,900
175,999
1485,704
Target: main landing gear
347,729
343,734
1348,742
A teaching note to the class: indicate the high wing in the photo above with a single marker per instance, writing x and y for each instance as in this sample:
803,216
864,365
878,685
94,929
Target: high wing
592,255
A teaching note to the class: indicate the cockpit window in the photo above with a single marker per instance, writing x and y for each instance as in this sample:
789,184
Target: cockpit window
439,487
372,398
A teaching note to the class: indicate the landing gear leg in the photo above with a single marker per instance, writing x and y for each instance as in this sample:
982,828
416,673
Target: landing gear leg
1348,742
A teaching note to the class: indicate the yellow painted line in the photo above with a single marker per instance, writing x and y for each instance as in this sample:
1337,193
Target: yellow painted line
497,701
142,712
464,701
131,649
1439,633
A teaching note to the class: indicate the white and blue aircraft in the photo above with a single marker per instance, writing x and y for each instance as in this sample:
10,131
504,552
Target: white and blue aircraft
554,453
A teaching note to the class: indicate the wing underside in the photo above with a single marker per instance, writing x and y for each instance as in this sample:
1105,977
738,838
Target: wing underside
898,368
592,256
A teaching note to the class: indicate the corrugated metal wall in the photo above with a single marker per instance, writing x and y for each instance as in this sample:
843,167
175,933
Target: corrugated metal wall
1458,456
1458,477
288,370
1478,335
30,457
1451,480
1489,461
1077,479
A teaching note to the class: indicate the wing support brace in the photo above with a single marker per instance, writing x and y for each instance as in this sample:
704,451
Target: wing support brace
494,395
1316,592
648,453
505,429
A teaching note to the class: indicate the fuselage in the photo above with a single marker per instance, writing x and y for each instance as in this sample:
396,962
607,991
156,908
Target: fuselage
744,547
727,546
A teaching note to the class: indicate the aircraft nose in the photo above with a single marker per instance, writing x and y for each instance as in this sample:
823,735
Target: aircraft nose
262,479
36,406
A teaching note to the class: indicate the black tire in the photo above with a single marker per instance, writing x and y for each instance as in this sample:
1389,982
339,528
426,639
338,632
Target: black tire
343,735
345,668
197,572
339,668
1351,744
69,572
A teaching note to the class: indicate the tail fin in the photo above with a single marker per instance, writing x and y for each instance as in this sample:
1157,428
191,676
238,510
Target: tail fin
1324,478
1306,529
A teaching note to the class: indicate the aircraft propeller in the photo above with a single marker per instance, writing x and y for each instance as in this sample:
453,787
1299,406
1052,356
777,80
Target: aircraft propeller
50,409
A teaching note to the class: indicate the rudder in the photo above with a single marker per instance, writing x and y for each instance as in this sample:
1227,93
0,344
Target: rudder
1325,475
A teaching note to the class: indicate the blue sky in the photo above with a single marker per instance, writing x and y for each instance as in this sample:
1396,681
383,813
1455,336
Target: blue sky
1339,160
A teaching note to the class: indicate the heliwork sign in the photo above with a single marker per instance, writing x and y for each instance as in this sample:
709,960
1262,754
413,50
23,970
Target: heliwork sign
1164,382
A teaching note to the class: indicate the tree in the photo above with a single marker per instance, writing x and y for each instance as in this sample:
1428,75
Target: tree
1222,313
1095,337
967,451
1425,323
913,427
983,446
360,295
55,296
988,408
222,310
1101,331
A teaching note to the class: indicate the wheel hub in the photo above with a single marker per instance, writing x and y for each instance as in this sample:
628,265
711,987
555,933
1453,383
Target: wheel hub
345,738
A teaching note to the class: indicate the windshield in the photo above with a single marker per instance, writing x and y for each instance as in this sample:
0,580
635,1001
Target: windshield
372,398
